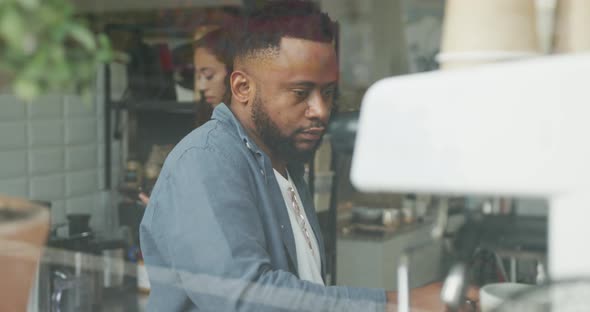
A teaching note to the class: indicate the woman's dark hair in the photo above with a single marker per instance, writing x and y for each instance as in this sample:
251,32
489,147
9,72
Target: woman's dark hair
219,43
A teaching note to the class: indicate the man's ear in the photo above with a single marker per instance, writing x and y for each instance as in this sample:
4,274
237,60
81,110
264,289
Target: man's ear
241,86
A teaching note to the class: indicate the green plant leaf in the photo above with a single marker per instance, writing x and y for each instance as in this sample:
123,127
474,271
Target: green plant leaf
82,35
49,16
46,48
26,89
12,28
29,4
105,53
35,68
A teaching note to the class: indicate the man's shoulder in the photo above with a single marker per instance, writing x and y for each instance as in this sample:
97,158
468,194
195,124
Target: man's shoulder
214,141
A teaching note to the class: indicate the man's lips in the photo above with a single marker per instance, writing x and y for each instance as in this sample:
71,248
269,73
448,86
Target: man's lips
312,134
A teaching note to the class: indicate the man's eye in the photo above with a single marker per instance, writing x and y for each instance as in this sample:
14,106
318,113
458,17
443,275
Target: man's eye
301,94
329,93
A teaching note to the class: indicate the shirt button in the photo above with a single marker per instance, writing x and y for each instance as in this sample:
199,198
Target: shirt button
262,171
248,145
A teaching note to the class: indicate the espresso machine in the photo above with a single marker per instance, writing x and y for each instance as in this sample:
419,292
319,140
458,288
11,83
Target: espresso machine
510,129
77,268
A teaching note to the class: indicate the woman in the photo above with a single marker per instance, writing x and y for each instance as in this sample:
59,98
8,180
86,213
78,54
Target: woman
213,59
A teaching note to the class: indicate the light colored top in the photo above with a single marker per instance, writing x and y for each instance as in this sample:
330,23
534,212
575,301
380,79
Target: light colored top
308,260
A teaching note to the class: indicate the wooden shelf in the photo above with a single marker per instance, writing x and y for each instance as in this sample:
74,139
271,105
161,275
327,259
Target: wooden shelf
157,106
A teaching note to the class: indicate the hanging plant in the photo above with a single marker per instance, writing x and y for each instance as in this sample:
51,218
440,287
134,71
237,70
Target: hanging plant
44,48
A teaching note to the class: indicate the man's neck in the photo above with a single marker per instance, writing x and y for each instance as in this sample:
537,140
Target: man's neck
278,164
280,167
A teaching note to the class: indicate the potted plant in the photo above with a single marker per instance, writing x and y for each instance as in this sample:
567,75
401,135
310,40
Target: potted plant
44,48
23,230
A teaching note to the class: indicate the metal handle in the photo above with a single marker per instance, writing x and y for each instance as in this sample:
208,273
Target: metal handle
403,275
403,284
454,287
58,292
403,271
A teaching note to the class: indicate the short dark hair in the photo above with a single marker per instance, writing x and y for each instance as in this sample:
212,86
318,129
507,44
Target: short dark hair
299,19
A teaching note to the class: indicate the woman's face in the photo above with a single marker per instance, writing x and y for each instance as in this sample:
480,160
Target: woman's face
210,76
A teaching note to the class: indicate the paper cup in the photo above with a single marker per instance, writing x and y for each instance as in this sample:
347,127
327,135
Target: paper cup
545,23
470,59
572,26
493,295
484,25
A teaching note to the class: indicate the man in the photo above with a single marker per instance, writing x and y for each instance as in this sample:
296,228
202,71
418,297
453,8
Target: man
230,225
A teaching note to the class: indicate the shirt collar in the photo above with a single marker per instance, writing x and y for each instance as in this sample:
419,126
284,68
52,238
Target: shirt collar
224,114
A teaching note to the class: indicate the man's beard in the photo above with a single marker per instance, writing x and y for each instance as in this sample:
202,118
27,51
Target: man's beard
270,134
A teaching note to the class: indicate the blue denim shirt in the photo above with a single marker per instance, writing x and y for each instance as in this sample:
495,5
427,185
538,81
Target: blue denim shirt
216,234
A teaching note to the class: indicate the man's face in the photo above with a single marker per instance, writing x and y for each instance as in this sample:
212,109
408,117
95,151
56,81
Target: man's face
294,96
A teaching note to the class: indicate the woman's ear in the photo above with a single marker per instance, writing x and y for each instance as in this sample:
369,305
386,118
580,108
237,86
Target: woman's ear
241,88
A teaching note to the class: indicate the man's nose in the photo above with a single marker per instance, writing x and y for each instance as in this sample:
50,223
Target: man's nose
319,107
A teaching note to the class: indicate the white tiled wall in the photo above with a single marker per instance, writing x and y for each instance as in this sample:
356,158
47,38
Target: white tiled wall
53,149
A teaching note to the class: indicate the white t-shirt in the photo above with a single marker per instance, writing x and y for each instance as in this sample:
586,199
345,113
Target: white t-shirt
308,262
